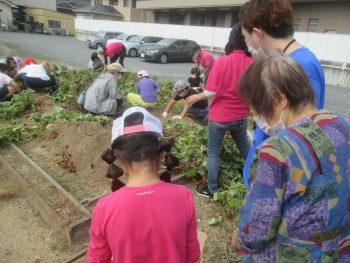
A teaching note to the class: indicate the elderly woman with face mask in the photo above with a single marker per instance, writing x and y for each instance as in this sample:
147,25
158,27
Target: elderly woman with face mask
298,206
102,96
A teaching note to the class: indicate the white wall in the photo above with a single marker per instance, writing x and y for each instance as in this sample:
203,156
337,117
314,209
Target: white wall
327,47
333,50
5,15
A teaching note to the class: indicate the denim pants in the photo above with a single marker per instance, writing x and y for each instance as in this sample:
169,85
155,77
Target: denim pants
216,134
199,113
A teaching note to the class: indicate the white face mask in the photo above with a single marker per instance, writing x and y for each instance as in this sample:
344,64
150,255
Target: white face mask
193,76
270,130
118,76
256,53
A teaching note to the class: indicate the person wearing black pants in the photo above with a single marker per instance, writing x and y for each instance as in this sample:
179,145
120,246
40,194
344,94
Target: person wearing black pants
38,84
38,77
115,51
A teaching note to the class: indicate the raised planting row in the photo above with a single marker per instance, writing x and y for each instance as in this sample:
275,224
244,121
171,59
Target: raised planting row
56,206
191,138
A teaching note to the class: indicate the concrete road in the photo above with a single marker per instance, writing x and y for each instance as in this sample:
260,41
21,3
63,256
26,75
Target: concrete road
75,53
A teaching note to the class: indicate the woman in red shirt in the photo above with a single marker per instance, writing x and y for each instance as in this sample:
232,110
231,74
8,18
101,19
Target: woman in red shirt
227,111
114,51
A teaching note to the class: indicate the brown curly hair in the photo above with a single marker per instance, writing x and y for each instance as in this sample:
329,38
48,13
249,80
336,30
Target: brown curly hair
272,74
275,17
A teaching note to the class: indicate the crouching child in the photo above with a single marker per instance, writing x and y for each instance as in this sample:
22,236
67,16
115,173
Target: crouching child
182,91
147,90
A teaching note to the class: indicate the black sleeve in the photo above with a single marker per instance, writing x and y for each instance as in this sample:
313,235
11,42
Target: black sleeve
177,98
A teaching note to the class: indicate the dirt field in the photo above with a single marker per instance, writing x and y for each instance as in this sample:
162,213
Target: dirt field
24,237
70,153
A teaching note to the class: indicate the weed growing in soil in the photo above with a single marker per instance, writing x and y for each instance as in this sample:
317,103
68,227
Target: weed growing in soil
191,149
71,82
19,103
191,138
19,131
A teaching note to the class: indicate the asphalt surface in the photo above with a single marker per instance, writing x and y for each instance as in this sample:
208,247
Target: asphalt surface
76,53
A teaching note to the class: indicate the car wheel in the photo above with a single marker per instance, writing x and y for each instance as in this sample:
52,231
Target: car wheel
163,58
133,53
98,45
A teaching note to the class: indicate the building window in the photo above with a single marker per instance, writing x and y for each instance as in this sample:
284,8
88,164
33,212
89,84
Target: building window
54,24
202,20
133,3
113,2
31,19
313,24
177,18
296,24
126,3
98,2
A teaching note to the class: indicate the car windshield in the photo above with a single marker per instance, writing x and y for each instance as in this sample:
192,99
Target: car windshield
121,36
165,42
100,34
134,39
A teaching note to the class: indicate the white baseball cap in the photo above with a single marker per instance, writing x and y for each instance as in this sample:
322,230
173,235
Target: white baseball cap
150,123
142,73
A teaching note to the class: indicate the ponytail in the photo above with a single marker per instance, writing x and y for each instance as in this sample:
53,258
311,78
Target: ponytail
165,145
113,171
139,147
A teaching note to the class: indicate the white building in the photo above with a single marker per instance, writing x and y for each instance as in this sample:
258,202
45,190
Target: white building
6,17
44,4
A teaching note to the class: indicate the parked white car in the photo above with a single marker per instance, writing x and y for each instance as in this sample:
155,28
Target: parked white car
134,42
119,38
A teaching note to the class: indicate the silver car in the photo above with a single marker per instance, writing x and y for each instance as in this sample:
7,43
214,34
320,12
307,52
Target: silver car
119,38
133,43
100,39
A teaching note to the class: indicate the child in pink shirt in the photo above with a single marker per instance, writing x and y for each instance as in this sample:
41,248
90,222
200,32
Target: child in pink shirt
147,220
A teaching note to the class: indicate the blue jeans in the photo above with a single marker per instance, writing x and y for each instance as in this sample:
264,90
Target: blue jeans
199,113
216,134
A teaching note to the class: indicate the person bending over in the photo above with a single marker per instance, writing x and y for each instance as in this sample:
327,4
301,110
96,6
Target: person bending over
204,59
182,91
195,81
115,51
8,86
38,77
95,63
